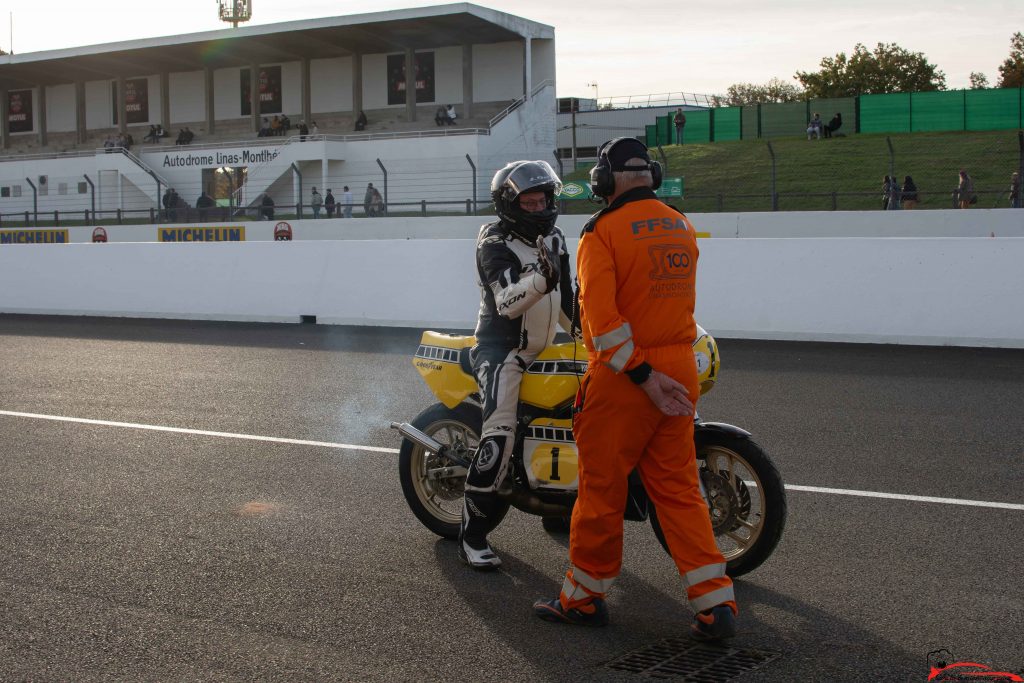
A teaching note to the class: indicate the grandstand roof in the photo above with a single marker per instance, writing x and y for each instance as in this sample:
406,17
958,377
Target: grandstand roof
371,33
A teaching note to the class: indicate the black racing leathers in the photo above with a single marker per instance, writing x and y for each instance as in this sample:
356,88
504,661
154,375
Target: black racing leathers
515,311
517,320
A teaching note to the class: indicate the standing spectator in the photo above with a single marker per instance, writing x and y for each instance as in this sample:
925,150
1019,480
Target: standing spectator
151,136
329,203
204,203
895,194
167,203
267,207
965,191
450,112
886,187
303,131
346,201
680,121
378,203
1015,190
909,193
275,126
316,202
361,121
286,124
814,127
368,199
172,205
315,130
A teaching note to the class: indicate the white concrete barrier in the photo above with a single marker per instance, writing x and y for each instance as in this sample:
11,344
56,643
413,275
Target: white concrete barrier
957,291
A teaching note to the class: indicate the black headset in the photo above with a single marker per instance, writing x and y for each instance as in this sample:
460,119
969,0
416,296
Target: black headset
602,178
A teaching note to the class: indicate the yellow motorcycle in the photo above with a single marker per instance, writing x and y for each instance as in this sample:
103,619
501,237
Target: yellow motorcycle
745,495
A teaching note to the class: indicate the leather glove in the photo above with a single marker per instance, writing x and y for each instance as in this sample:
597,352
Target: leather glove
548,265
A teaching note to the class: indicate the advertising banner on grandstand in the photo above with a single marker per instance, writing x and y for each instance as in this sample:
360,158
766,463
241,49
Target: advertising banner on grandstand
268,88
424,80
19,111
136,100
234,233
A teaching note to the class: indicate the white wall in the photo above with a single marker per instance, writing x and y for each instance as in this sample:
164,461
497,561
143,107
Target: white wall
375,81
963,291
98,112
60,108
448,75
291,88
331,84
497,71
187,96
227,93
543,60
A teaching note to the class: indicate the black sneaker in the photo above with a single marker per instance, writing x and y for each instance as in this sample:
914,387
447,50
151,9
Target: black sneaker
717,623
593,613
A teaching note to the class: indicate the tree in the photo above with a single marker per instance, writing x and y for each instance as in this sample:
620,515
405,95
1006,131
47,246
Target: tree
887,68
775,90
979,81
1011,73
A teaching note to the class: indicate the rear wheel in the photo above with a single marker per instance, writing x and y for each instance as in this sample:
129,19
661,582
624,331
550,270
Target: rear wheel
746,500
434,495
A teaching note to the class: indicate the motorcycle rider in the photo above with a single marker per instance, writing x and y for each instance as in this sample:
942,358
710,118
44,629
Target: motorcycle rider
523,270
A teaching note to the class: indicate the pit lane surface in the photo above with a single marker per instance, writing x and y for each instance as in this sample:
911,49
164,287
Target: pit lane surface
144,555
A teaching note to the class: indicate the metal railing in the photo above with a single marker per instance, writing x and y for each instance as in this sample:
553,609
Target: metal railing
668,99
517,103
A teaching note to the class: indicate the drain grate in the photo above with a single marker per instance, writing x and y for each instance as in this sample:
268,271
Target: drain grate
685,660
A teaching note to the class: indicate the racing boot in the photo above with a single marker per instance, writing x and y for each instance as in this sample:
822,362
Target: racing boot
473,547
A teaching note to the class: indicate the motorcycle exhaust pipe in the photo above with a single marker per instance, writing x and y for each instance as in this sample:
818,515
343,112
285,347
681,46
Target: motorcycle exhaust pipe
527,502
417,437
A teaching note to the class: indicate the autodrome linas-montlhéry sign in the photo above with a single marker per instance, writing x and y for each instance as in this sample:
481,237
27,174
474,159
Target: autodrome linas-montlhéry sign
248,156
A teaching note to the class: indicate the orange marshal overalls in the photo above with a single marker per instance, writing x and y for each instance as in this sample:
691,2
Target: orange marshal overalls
637,267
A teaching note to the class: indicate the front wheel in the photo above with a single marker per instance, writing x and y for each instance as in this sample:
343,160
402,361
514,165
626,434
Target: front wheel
746,500
435,497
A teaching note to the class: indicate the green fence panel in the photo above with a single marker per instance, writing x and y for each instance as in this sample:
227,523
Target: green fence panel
666,132
727,124
698,127
783,119
652,135
993,109
828,107
888,113
748,119
935,111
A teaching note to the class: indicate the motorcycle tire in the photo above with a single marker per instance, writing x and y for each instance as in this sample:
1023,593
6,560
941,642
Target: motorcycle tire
556,525
438,504
738,499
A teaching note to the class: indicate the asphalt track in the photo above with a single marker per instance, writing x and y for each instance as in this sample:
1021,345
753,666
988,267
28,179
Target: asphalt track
137,554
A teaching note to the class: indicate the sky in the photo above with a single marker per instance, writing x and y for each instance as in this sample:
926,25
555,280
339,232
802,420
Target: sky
659,46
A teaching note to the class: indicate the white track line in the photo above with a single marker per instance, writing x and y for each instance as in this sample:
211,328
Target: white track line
200,432
378,449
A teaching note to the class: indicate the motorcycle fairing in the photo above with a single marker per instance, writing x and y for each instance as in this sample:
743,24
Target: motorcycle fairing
555,376
438,362
550,459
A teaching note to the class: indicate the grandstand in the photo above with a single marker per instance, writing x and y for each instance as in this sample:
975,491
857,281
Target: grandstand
62,106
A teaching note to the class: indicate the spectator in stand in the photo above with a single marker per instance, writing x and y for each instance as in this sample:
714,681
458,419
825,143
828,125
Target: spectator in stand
329,203
361,121
315,130
1015,202
316,202
965,191
303,131
160,132
204,204
680,122
814,127
835,124
441,116
895,194
181,137
109,144
264,128
286,124
450,112
346,201
909,193
275,126
368,199
151,136
267,207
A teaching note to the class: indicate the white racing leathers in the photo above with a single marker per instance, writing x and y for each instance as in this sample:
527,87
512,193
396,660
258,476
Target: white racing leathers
517,321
